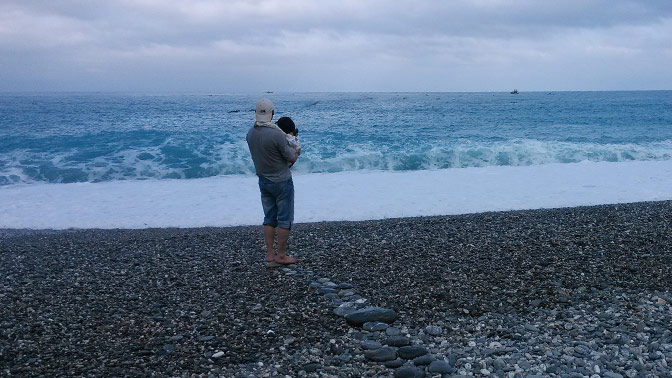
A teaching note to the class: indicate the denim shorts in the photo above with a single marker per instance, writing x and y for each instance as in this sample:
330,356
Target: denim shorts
277,199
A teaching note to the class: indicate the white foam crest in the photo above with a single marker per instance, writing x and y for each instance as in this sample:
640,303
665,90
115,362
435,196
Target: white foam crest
521,152
354,158
233,159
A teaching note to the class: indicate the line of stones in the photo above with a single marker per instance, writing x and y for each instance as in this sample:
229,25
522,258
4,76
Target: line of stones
395,351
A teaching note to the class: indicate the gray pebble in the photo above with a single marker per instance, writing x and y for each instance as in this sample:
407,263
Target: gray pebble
344,309
411,351
371,314
392,331
409,372
433,330
424,360
394,363
381,354
397,341
440,367
309,368
346,293
374,326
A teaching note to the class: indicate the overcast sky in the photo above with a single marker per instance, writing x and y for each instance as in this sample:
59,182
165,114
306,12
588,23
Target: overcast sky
341,45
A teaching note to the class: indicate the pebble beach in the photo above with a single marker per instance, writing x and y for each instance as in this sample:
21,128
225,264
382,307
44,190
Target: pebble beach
571,292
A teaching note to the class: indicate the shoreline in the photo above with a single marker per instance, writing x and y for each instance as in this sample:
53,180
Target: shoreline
503,286
17,232
211,202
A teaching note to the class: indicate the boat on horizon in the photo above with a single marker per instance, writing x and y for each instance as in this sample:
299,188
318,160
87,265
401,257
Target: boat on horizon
515,91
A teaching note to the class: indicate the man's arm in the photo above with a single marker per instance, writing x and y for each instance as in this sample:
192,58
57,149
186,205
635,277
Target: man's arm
288,152
298,152
296,157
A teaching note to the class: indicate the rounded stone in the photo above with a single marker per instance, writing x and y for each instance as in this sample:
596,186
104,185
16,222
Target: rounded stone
409,372
440,367
397,341
381,354
344,309
434,330
371,314
394,363
499,364
326,290
392,331
309,368
411,351
424,360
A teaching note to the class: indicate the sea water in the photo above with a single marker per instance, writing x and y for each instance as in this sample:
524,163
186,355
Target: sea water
382,149
64,138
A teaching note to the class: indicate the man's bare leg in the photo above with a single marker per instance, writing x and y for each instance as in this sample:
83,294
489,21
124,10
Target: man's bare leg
282,258
269,238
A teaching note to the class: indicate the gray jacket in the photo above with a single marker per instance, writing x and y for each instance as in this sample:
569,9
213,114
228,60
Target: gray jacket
271,153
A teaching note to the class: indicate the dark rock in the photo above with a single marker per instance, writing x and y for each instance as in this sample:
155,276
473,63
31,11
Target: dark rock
346,293
371,314
371,344
392,331
394,364
344,309
381,354
440,367
655,356
424,360
412,351
397,341
409,372
309,368
498,364
433,330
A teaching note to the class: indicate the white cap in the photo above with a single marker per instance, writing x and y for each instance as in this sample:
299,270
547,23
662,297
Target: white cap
264,111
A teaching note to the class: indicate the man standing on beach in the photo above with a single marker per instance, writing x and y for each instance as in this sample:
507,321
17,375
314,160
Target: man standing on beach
272,157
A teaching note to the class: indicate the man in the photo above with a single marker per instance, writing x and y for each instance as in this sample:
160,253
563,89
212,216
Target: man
272,157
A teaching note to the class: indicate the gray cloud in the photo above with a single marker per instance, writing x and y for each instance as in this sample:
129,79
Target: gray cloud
207,45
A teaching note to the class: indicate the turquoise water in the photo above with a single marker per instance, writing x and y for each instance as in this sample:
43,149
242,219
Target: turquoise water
94,137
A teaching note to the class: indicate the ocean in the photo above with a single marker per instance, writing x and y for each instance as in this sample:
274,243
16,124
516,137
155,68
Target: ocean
66,138
109,147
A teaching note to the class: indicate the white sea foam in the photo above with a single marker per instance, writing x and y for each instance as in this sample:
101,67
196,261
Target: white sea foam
170,160
356,195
